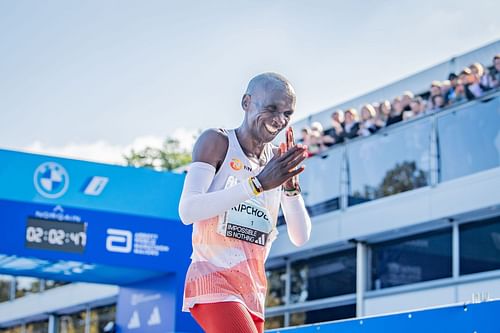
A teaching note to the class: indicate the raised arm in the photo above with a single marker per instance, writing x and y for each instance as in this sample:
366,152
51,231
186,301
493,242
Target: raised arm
198,204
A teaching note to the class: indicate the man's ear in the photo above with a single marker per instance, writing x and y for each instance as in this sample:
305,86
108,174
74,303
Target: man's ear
245,102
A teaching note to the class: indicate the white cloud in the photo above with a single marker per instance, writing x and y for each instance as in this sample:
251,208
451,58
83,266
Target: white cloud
105,152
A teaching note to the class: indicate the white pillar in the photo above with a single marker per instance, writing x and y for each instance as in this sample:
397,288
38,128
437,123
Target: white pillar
87,320
361,275
53,324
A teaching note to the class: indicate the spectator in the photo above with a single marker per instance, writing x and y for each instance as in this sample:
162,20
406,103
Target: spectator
305,136
471,84
434,91
477,69
450,95
396,112
316,146
458,93
416,107
479,72
438,102
367,124
338,117
445,88
492,79
336,133
384,111
406,99
351,124
307,139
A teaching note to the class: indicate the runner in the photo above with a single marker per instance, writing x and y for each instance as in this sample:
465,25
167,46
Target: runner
231,195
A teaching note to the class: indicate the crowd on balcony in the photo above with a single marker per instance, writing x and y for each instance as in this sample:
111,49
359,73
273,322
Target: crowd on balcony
472,82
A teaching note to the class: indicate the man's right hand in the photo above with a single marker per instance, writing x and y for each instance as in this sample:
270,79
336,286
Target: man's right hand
282,167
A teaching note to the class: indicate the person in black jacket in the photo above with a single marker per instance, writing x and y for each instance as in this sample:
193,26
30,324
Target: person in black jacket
335,134
396,112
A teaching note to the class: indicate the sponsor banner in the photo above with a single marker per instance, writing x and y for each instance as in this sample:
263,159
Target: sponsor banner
67,182
54,233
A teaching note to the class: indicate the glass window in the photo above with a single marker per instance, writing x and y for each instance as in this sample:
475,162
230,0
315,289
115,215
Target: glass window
413,259
72,323
321,182
37,327
322,315
390,162
468,139
324,276
276,279
50,284
99,317
274,322
26,286
14,329
5,282
480,246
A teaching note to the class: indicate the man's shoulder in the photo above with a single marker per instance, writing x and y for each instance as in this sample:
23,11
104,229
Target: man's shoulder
217,134
211,146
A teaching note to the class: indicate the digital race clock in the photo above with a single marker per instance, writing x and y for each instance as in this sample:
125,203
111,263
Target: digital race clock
55,235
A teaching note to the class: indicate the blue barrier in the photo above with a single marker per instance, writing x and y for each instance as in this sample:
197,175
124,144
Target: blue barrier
466,318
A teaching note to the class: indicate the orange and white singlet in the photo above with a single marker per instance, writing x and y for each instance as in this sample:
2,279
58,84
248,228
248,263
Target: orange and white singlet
229,250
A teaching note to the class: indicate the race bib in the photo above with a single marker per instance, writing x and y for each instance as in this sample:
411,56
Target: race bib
248,221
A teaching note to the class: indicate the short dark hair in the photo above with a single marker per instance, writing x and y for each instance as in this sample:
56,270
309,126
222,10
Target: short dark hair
452,76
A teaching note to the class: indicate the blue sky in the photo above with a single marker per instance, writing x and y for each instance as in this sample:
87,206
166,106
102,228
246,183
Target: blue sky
91,79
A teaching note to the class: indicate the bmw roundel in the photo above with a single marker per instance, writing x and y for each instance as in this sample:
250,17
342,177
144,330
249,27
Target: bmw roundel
51,180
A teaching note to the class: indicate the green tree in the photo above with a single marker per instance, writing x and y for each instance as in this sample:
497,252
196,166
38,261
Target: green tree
403,177
170,156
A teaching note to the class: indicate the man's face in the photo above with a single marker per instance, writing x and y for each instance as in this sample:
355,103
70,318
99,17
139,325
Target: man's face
269,112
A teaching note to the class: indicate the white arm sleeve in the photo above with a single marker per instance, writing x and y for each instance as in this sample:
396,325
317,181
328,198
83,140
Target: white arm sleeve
297,219
196,204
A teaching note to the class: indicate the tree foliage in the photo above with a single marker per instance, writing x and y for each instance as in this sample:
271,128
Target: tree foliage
169,157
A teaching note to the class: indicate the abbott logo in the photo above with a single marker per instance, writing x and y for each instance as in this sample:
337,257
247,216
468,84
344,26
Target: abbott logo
119,241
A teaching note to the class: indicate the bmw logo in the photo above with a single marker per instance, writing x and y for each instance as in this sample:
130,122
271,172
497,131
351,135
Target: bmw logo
51,180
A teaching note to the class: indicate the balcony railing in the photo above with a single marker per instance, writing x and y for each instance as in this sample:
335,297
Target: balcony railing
458,141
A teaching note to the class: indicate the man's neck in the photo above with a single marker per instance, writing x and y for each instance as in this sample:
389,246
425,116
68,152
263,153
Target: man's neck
252,147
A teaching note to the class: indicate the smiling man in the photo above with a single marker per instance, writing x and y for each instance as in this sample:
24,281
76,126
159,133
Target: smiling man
231,195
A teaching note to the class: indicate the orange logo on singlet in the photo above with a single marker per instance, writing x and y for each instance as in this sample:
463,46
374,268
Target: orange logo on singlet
236,164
